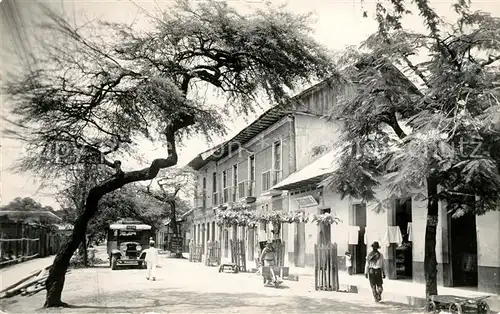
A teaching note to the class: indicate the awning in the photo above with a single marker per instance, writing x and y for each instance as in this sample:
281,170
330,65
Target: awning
312,173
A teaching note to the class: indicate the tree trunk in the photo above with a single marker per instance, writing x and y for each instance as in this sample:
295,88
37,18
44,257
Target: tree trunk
430,260
55,281
173,218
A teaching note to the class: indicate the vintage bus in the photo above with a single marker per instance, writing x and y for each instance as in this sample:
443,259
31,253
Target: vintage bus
126,242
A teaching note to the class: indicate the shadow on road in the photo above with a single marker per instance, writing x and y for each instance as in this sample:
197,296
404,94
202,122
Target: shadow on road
176,301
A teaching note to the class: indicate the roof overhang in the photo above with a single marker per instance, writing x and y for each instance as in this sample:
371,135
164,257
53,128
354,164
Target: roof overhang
48,215
312,174
264,121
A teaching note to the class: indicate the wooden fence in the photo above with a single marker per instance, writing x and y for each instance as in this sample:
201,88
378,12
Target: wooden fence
213,254
195,252
326,276
23,241
238,256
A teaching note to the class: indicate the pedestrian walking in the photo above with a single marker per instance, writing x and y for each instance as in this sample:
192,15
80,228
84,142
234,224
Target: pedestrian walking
375,271
267,258
151,261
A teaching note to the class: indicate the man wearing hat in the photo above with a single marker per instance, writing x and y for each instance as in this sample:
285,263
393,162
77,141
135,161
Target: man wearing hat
151,260
375,271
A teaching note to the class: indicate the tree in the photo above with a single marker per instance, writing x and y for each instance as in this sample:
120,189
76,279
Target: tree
175,184
441,138
27,204
92,99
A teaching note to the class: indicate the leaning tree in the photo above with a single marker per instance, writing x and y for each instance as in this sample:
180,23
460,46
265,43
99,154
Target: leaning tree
101,95
441,138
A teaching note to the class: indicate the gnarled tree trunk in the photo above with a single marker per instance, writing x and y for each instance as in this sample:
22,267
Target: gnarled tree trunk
55,281
430,260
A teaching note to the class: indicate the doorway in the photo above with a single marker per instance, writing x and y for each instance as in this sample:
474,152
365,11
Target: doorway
358,218
463,250
404,253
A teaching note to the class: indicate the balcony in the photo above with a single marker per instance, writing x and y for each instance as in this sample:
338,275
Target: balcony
246,189
268,180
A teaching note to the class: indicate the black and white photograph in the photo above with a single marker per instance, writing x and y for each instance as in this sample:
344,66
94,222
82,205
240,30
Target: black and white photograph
250,156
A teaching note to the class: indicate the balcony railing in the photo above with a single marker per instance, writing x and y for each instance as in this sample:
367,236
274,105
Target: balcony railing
277,176
246,188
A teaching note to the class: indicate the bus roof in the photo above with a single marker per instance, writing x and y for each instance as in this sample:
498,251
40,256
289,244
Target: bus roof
129,227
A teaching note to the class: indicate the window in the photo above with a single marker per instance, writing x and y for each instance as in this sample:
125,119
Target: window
277,162
235,182
204,191
277,155
266,181
214,189
251,175
225,190
214,182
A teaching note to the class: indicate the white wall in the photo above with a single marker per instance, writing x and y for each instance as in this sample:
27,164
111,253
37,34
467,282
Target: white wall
310,132
488,239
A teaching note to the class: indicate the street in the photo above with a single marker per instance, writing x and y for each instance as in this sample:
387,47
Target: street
184,287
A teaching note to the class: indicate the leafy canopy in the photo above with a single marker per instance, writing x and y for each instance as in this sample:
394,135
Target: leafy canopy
94,93
447,129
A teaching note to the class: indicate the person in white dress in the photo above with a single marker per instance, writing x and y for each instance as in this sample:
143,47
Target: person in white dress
151,261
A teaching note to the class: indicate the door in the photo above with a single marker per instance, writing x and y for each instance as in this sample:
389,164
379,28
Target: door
359,250
464,251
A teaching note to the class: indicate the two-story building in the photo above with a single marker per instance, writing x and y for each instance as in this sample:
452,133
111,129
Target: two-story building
279,142
275,164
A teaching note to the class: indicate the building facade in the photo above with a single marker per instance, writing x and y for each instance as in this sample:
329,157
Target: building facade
281,141
468,250
273,163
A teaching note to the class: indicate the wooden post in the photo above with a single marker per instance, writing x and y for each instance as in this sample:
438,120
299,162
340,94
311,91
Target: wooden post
336,277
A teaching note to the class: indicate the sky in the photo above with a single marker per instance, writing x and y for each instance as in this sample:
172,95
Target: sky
339,23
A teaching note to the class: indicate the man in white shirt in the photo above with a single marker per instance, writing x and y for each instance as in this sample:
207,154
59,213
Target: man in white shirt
151,261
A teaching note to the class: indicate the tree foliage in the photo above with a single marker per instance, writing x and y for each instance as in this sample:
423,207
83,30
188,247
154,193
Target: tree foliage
447,128
93,93
442,136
